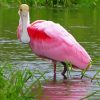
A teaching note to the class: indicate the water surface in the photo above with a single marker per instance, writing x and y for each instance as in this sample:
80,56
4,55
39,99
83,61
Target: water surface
82,23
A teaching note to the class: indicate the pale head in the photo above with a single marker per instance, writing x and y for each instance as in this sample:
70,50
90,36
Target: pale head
24,7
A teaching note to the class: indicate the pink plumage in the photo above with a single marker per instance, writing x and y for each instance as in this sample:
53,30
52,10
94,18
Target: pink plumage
52,41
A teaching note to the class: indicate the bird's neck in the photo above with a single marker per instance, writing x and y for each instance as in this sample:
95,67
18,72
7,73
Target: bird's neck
24,23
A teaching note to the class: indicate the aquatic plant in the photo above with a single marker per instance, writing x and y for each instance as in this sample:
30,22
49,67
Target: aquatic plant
84,71
69,69
18,84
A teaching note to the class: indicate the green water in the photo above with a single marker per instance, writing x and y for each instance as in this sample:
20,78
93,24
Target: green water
83,23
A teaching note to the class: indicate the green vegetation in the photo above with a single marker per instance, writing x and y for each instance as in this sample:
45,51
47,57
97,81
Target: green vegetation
16,84
69,69
52,3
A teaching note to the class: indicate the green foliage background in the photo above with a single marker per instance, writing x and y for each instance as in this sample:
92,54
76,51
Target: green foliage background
52,3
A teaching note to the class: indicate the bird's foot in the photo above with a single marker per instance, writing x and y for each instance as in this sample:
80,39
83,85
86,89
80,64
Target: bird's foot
64,76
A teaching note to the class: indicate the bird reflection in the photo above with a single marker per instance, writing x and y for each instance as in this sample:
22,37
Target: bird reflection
73,89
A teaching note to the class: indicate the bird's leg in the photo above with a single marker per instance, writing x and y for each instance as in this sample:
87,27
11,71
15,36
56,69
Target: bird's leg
65,69
54,63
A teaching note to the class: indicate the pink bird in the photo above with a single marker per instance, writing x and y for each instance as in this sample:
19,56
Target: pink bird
50,40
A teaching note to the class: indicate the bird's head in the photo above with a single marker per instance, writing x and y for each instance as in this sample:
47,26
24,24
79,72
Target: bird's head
23,10
23,23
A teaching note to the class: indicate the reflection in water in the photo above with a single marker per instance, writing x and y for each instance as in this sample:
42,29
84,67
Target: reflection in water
73,89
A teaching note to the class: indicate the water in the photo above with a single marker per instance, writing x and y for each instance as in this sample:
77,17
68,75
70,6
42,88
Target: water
83,23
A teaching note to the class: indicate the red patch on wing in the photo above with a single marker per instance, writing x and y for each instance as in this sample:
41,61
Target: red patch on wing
36,34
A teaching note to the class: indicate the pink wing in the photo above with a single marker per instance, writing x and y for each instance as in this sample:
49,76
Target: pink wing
52,41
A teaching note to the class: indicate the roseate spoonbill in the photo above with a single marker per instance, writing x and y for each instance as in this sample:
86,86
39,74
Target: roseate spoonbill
50,40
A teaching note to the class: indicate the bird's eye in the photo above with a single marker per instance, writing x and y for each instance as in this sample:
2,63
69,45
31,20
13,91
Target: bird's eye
20,9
